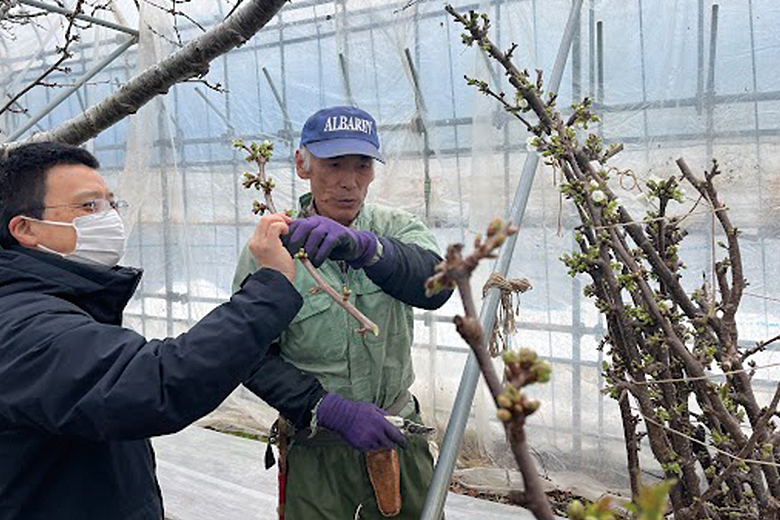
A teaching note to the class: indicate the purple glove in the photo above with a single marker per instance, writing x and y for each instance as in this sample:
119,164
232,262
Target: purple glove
323,238
362,425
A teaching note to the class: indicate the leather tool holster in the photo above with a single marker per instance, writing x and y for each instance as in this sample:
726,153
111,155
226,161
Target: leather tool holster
384,471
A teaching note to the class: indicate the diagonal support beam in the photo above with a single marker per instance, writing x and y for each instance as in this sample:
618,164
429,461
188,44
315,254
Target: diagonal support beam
62,96
418,125
191,61
86,18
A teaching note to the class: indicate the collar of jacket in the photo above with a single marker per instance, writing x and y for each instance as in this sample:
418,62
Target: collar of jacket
101,292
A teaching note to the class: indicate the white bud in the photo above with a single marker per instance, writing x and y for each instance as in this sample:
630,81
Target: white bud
598,196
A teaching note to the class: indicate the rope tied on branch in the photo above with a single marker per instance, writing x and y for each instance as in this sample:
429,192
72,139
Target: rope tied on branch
504,325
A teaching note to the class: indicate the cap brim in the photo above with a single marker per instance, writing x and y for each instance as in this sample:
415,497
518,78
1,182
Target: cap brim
339,147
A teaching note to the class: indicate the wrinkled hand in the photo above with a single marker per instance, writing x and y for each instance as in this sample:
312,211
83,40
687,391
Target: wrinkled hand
362,425
266,245
323,238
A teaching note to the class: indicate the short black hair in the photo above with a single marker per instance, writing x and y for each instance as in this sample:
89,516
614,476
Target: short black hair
23,179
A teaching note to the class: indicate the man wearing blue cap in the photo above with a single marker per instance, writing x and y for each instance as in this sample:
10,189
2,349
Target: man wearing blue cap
383,256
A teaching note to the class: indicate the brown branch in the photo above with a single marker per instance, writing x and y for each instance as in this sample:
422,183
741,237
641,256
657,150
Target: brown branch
707,189
471,330
613,152
740,456
661,444
632,443
455,270
732,360
516,78
366,324
720,275
535,499
637,234
512,109
693,366
760,346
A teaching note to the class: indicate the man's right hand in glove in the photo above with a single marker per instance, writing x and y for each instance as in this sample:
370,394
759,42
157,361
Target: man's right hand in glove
362,425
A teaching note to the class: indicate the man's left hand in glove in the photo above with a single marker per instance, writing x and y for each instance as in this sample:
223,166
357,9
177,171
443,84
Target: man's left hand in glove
323,238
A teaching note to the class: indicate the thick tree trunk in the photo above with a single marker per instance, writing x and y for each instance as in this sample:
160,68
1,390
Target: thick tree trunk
191,61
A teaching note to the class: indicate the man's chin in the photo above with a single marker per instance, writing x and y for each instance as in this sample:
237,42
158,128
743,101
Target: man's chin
343,216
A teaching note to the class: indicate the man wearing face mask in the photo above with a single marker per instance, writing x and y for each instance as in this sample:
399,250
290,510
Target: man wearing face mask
79,394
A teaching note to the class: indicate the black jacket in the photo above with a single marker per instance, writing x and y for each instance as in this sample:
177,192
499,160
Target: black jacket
80,395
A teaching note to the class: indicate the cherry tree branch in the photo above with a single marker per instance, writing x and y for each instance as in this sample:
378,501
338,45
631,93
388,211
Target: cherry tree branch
521,369
260,155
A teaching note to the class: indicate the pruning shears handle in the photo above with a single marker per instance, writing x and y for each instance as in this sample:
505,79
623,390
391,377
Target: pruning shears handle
409,427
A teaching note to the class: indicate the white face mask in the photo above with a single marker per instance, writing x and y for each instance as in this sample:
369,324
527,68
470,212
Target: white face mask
100,238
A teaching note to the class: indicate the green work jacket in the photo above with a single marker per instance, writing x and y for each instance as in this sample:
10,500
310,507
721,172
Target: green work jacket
324,340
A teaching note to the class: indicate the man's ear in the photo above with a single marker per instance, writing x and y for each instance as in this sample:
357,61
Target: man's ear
302,172
21,229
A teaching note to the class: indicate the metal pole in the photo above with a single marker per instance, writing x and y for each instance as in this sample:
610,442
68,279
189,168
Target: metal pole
576,338
345,78
600,101
419,127
710,95
591,50
319,57
600,72
166,221
759,169
287,132
84,17
62,96
437,492
700,59
291,141
230,128
279,101
461,218
645,121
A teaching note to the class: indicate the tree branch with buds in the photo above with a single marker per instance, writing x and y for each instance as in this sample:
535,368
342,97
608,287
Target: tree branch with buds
662,341
521,369
260,154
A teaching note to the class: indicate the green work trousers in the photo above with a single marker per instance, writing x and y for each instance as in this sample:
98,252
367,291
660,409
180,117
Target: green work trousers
328,480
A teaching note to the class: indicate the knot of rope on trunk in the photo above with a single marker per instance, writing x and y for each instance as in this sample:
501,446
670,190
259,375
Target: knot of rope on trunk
504,325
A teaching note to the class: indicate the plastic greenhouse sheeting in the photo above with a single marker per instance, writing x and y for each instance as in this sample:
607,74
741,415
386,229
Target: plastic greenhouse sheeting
668,77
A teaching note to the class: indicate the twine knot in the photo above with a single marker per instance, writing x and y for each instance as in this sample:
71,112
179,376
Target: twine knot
504,325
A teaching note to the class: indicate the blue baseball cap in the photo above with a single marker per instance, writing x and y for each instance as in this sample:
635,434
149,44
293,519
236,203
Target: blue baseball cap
344,130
